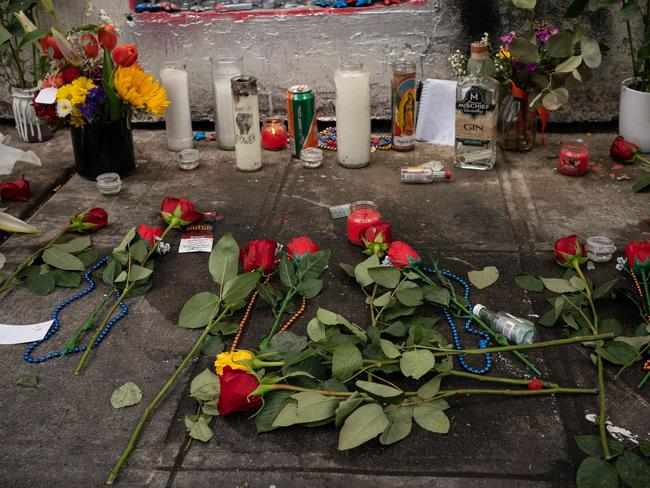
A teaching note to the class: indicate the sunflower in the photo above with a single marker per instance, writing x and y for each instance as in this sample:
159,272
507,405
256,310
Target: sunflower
140,89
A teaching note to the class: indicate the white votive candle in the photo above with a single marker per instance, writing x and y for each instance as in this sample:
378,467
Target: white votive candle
178,119
223,69
246,118
352,115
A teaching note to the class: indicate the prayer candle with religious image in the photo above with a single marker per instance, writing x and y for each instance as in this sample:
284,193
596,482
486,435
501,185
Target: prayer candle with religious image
363,214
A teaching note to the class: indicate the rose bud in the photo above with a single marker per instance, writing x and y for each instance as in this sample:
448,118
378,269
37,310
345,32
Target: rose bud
107,36
89,221
89,45
638,256
623,151
149,234
50,48
179,213
258,254
17,190
400,254
125,55
236,386
240,359
299,247
376,238
535,385
569,251
70,74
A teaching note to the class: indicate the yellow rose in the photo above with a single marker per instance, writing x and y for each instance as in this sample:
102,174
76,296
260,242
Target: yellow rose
233,359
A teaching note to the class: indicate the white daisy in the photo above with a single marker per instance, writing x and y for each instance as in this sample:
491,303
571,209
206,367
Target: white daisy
63,107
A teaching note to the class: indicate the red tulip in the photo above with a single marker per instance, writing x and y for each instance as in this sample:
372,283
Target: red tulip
149,234
50,48
400,254
299,247
70,74
624,151
89,220
638,256
17,191
178,213
89,45
258,254
569,251
107,36
236,386
125,55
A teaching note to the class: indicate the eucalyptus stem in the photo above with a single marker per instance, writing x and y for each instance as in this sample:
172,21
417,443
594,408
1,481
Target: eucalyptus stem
168,384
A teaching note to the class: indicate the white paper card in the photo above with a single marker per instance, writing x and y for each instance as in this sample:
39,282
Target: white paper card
437,112
195,244
19,334
46,96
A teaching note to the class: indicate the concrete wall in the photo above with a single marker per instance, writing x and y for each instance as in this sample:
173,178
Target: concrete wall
282,50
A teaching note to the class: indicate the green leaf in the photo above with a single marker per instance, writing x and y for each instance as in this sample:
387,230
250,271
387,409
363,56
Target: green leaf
431,418
198,310
310,287
346,360
437,295
554,99
316,330
89,256
644,447
311,266
75,245
629,11
635,342
430,388
633,470
205,386
28,381
41,284
484,278
575,9
5,35
641,184
238,288
523,50
558,285
224,259
286,342
287,416
381,392
274,402
389,349
596,473
128,236
409,294
313,407
112,271
591,54
331,318
400,423
287,273
361,270
127,395
529,282
212,346
49,6
590,445
201,431
365,423
383,300
346,407
386,276
139,273
416,363
618,352
349,270
604,290
569,65
560,45
525,4
610,325
139,251
67,279
62,260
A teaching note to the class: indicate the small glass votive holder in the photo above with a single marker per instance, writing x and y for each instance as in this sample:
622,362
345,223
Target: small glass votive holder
109,183
188,159
311,157
600,249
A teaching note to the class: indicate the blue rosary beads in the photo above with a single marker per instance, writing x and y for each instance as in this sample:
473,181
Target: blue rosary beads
27,355
485,337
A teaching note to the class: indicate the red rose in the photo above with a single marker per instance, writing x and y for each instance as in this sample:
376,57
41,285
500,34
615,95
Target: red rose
535,385
125,55
400,254
89,45
70,74
89,221
50,48
236,385
258,254
148,234
569,251
623,151
17,190
638,256
107,36
179,213
299,247
382,233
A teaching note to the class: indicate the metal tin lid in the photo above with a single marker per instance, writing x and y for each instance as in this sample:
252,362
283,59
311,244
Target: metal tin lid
299,89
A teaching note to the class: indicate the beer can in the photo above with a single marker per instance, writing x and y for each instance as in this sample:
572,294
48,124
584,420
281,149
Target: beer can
301,116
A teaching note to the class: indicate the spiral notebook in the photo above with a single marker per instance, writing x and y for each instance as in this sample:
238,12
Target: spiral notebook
437,112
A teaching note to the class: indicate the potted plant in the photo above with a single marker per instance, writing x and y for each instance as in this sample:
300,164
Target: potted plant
23,62
634,110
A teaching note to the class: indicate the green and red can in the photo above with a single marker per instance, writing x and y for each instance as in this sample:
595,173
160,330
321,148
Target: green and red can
301,112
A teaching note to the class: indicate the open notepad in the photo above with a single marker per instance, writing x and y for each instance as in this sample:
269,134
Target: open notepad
437,112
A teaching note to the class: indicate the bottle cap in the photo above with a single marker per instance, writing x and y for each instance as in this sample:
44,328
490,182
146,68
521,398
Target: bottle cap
479,50
477,308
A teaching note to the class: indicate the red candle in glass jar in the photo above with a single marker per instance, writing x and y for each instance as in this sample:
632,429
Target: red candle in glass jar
274,134
362,215
574,158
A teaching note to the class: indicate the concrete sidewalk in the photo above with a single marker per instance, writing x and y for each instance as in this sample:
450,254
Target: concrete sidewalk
65,433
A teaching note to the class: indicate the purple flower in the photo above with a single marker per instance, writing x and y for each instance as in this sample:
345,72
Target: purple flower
507,39
544,31
531,67
91,105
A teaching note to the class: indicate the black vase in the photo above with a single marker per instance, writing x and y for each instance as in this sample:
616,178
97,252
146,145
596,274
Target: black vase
103,148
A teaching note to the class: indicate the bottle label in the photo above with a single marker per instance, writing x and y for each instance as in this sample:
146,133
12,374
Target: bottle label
474,119
403,109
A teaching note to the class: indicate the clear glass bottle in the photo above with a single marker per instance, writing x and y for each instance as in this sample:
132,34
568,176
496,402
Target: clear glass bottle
517,124
403,105
476,114
519,331
248,150
223,69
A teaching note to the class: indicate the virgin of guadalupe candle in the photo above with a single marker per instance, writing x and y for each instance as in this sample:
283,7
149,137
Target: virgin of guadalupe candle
363,214
178,119
403,96
352,115
248,152
223,69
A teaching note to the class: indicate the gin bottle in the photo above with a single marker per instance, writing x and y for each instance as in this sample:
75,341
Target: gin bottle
476,114
519,331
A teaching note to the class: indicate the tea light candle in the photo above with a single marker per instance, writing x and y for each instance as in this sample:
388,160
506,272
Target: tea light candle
178,119
574,158
363,214
274,134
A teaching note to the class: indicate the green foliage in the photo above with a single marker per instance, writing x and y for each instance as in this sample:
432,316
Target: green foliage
224,260
127,395
365,423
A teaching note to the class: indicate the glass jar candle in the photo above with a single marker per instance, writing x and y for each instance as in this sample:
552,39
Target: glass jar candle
178,119
363,214
188,159
574,158
109,183
274,134
311,157
352,115
403,105
223,69
600,249
248,152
